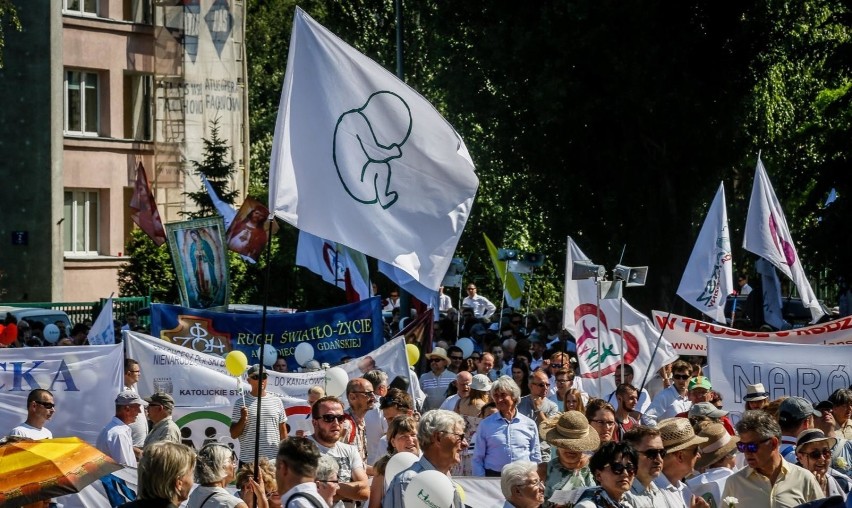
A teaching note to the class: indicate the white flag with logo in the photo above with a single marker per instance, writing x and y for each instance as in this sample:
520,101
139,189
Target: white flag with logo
102,330
580,319
336,264
767,235
708,280
361,159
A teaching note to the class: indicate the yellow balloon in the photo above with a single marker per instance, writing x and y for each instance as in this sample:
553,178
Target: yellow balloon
412,353
236,363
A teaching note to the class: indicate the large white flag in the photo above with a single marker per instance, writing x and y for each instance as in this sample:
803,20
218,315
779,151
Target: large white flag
767,235
707,280
102,330
361,159
336,264
580,318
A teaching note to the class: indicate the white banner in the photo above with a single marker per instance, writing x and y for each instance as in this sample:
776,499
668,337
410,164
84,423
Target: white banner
688,336
84,381
634,345
804,370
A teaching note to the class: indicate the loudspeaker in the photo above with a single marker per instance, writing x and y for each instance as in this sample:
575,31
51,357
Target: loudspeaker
632,276
585,269
507,254
609,289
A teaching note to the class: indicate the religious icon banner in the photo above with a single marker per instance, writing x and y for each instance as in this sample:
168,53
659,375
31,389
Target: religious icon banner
201,264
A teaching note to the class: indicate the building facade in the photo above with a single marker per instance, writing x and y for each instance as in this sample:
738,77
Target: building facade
92,88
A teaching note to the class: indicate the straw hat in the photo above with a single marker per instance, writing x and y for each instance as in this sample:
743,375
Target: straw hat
756,392
677,434
719,444
813,436
438,352
570,431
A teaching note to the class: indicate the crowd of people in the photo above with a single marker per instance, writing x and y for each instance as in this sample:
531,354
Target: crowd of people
511,408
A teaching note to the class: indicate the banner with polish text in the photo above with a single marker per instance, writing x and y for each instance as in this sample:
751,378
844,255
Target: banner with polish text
812,371
688,336
337,333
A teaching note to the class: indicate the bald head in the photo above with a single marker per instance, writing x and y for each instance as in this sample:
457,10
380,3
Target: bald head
463,380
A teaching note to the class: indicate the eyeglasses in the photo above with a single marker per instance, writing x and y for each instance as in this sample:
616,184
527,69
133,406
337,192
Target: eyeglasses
433,360
328,418
682,377
150,405
134,371
542,385
460,436
750,447
534,483
557,365
818,454
471,289
256,377
329,481
653,453
619,468
459,358
46,405
368,394
608,423
562,381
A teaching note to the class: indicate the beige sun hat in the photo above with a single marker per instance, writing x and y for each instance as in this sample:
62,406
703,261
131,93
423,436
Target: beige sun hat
438,352
677,434
719,444
570,431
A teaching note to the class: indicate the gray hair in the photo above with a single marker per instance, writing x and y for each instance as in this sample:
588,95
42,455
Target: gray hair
761,423
436,420
376,378
326,468
212,463
515,475
508,385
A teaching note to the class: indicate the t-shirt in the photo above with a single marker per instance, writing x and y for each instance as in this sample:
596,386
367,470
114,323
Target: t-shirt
348,459
28,431
273,415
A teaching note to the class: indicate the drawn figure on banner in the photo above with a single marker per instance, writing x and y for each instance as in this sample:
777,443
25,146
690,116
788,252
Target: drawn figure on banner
249,232
366,139
203,278
609,357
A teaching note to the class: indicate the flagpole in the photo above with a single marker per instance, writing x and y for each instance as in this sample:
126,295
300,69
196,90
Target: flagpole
503,295
598,334
657,345
260,373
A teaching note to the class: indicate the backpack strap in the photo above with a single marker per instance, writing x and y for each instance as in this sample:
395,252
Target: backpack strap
304,495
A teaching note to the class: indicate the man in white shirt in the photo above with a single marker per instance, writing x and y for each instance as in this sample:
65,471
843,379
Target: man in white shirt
295,473
444,301
116,438
463,381
482,308
682,451
674,399
138,427
40,408
392,302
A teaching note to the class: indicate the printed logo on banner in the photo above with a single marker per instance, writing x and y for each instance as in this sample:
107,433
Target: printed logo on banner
197,428
586,319
197,333
164,385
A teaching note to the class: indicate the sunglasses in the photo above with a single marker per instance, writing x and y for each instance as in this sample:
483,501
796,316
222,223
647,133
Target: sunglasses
619,468
256,377
653,453
368,394
459,358
557,365
818,454
542,385
682,377
46,405
330,418
750,447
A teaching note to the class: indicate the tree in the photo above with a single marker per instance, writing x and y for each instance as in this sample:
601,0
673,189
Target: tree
150,270
218,169
8,17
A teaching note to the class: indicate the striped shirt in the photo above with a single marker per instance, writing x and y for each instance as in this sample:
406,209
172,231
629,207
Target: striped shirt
273,416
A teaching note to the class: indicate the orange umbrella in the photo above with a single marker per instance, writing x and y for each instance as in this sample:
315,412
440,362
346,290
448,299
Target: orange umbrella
34,470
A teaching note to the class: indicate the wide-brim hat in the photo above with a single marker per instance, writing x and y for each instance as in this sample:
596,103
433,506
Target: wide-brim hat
438,352
813,436
677,434
719,445
570,431
756,392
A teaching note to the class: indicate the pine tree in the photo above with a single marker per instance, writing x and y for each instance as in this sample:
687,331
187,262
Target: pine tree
218,169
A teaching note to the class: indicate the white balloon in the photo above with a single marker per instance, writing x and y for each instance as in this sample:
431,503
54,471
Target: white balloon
397,464
466,346
429,489
270,354
304,353
51,333
335,381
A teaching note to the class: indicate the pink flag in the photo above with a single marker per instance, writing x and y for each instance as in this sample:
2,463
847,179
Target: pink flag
767,235
144,207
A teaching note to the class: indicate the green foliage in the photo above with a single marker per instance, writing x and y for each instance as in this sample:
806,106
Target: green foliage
149,272
219,169
8,17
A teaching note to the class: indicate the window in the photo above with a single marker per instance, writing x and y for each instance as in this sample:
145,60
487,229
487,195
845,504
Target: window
80,235
138,11
82,7
81,102
138,107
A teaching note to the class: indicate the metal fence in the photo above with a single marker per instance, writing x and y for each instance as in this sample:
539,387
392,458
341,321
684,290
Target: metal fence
79,312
